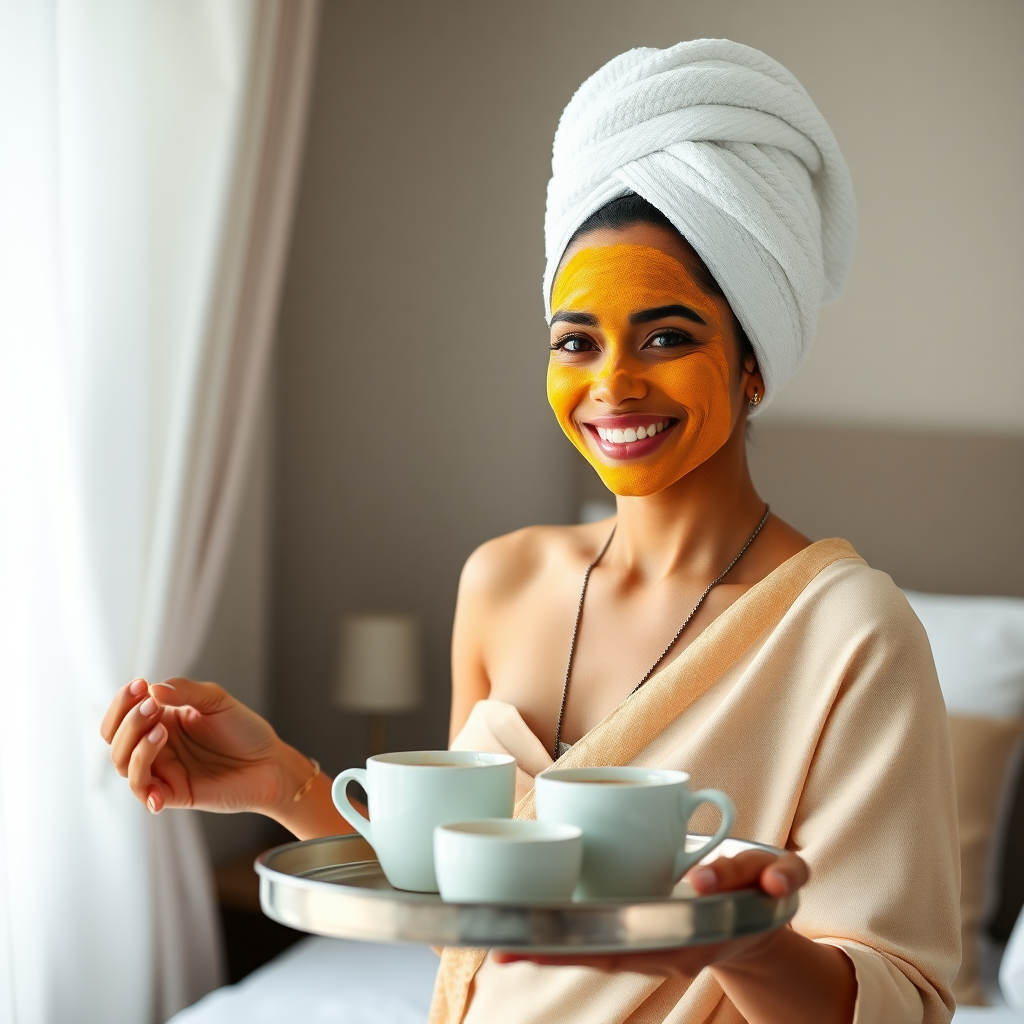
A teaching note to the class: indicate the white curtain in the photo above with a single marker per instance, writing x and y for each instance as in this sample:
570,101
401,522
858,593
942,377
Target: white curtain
148,156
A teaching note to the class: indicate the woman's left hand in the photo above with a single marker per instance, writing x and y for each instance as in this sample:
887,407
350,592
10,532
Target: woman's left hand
776,875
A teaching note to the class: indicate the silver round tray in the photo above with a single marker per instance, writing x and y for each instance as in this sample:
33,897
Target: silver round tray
335,887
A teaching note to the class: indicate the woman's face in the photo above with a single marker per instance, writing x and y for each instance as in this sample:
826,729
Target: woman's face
645,373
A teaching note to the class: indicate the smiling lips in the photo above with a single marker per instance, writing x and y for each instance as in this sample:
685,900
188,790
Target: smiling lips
629,437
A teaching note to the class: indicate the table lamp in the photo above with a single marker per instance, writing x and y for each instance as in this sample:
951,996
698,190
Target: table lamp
378,669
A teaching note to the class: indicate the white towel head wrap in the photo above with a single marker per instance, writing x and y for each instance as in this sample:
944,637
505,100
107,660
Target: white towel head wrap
727,144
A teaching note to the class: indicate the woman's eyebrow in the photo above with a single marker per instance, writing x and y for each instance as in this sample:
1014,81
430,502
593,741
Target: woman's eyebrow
568,316
645,316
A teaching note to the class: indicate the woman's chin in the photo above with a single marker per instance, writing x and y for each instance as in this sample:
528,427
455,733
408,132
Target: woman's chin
642,481
636,480
631,488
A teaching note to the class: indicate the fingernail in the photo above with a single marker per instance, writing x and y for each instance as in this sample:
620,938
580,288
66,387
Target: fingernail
781,880
137,688
151,804
156,734
148,707
704,878
168,685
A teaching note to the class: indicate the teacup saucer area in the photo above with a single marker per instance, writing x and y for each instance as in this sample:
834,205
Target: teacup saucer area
335,887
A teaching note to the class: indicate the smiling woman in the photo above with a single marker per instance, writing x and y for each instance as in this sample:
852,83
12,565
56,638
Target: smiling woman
698,215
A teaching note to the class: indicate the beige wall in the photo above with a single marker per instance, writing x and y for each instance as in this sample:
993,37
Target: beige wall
411,400
411,415
926,100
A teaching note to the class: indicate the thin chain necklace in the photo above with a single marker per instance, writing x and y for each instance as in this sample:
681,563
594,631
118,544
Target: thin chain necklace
679,632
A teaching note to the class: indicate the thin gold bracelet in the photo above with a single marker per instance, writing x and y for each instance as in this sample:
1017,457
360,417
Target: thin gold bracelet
308,784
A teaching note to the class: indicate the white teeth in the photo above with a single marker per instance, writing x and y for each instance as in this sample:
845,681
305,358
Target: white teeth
629,434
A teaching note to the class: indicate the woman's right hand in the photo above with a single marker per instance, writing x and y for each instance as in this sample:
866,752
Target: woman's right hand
180,743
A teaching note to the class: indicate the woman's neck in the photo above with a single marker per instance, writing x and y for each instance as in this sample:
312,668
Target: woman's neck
696,526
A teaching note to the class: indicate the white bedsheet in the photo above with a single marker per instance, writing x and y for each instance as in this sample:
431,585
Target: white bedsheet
327,981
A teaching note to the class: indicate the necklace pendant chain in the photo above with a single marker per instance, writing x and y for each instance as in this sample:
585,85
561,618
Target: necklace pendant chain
679,632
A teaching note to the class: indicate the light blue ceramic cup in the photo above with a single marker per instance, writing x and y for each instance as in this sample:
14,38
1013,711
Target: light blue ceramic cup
412,792
505,861
634,823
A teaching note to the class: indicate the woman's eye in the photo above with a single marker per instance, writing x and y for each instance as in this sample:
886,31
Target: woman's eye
669,339
574,343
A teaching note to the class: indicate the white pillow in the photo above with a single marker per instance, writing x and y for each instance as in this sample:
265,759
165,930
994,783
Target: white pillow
978,645
987,1015
1011,970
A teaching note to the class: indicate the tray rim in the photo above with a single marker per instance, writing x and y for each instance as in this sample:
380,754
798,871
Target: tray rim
610,912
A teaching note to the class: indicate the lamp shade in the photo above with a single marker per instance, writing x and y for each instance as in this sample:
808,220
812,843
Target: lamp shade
378,664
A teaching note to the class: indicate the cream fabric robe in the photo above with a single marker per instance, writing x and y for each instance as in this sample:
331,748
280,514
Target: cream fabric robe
813,702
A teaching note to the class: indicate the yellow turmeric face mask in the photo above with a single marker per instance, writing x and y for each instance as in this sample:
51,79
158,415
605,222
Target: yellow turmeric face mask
639,369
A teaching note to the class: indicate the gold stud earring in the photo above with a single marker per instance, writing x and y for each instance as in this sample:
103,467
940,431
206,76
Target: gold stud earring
756,400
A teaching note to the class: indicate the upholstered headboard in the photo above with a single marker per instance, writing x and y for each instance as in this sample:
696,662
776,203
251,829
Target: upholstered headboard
938,512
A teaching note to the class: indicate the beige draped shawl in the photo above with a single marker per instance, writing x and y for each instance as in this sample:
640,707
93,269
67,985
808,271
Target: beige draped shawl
813,702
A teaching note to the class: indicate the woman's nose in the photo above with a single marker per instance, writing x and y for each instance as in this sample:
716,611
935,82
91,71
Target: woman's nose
617,382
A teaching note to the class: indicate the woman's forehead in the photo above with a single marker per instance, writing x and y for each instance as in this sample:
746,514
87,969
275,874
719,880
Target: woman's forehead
622,279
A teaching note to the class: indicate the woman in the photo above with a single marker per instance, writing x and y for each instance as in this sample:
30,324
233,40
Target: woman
698,214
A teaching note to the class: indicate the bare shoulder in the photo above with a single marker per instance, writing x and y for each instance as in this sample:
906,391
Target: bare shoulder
506,566
777,543
786,537
505,585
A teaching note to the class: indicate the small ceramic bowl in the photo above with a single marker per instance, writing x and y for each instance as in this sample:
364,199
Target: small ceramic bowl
501,860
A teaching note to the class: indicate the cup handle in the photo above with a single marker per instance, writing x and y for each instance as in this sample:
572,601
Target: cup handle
686,859
339,794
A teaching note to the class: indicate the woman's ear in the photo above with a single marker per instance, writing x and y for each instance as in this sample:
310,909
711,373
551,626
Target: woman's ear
754,385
